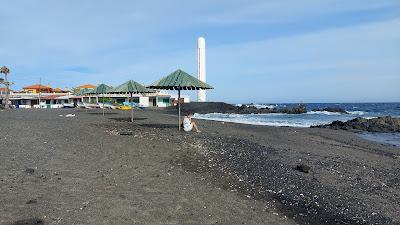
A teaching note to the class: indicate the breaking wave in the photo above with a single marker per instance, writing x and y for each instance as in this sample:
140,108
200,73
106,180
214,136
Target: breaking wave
275,119
323,113
365,110
360,113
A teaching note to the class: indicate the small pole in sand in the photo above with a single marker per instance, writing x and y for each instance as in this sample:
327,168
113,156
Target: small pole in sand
103,101
179,109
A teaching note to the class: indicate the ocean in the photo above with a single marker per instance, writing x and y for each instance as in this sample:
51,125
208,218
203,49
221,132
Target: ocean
366,110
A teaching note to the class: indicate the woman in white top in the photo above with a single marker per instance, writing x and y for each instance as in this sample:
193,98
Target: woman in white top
188,124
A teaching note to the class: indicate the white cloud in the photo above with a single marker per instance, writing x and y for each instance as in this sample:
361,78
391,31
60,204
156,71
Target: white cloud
366,53
248,11
45,37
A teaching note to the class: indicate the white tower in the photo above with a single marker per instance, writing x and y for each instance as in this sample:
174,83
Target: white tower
201,67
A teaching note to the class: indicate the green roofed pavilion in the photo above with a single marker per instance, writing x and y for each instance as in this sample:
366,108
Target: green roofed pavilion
83,91
179,80
101,89
130,87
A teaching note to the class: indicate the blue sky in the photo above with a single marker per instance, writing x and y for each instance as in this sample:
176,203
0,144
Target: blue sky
257,51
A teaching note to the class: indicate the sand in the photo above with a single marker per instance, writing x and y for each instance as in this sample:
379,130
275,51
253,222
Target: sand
80,170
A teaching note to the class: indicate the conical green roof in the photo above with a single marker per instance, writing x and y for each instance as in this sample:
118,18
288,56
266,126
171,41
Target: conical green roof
130,87
179,80
83,91
102,88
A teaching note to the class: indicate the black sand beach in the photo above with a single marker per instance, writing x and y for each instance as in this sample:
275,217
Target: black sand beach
80,170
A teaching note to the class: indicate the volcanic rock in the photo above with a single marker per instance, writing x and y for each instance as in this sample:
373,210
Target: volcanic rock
331,109
31,201
295,110
381,124
303,168
30,170
221,107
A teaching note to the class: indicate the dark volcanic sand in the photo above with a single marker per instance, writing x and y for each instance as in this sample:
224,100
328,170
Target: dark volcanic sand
79,170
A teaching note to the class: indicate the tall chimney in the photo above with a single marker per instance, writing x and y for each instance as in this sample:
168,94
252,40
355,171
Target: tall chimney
201,67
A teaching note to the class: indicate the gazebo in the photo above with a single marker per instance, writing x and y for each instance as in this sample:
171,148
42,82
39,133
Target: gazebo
130,87
179,80
101,89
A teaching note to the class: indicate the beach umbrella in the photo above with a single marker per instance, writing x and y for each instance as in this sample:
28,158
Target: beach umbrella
179,80
130,87
101,89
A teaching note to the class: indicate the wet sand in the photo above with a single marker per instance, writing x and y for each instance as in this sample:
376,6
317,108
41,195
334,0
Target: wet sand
80,170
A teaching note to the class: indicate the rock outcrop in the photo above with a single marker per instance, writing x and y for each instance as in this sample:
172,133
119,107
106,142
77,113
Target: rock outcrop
221,107
380,124
295,110
331,109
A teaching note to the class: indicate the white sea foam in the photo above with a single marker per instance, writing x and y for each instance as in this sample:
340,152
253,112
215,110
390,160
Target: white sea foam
323,113
257,119
259,106
262,106
292,120
360,113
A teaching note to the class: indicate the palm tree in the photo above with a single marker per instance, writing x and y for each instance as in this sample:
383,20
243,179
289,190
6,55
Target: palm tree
5,71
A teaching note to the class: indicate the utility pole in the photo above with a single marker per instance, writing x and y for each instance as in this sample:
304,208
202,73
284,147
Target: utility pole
40,90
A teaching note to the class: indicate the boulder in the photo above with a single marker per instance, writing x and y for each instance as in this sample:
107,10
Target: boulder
381,124
331,109
303,168
301,108
30,170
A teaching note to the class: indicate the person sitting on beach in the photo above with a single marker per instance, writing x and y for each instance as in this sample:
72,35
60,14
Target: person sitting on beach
188,124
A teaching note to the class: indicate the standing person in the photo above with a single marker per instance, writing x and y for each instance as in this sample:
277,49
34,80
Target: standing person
188,124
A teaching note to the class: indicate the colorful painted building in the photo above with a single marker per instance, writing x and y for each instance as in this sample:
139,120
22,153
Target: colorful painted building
86,86
37,88
44,96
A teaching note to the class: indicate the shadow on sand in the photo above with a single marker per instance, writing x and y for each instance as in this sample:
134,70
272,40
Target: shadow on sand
32,221
127,119
100,113
161,126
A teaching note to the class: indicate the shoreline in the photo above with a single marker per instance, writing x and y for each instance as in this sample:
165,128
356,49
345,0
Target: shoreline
385,138
241,173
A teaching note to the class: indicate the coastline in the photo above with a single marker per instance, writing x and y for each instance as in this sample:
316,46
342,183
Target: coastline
240,173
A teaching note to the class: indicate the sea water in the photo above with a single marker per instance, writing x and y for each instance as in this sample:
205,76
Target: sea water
312,118
384,138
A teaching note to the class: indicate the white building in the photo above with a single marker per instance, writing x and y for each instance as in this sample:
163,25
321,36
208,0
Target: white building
57,100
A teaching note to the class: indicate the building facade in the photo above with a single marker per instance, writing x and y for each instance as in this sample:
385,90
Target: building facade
42,96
